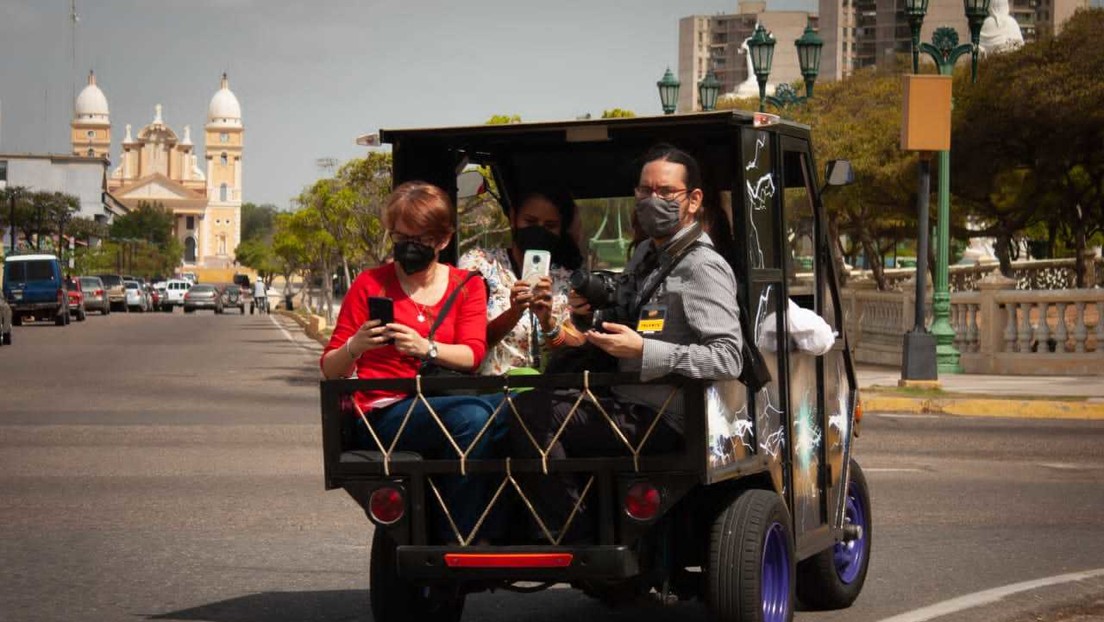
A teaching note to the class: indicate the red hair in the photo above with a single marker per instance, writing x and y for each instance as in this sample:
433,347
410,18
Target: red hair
421,205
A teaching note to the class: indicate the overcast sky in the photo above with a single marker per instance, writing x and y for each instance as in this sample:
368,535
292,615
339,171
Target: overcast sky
312,75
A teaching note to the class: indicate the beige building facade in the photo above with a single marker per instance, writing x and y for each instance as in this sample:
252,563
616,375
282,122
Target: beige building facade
156,165
717,42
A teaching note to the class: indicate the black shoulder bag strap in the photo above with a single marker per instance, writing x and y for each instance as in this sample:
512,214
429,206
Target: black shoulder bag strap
448,304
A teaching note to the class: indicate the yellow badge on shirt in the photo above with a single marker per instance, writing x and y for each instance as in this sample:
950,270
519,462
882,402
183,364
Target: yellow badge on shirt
651,319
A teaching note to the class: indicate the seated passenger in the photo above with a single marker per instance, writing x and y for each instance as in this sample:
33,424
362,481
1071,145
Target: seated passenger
541,221
418,218
689,325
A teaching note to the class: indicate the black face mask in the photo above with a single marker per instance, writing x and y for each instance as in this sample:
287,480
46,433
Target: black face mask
536,238
414,257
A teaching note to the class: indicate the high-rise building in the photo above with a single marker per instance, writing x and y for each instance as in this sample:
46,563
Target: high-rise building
862,33
717,42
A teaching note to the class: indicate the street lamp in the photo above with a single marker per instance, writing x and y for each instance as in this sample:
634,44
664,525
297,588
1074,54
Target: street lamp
708,89
944,51
761,48
808,57
668,91
915,10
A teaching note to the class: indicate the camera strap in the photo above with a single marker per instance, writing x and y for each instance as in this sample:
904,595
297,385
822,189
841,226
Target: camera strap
676,252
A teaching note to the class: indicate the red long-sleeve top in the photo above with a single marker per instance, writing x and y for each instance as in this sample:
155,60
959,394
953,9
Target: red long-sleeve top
466,325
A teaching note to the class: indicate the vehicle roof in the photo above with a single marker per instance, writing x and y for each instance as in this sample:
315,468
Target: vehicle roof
596,158
30,257
583,130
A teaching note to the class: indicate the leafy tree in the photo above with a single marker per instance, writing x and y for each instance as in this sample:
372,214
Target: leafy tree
257,221
144,240
150,222
615,113
503,119
1033,154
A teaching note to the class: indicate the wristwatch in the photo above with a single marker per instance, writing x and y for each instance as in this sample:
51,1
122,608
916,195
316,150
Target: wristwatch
431,353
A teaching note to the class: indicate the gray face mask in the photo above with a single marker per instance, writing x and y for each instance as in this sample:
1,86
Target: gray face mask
658,218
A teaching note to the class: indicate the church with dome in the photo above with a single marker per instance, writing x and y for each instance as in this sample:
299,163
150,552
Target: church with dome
157,165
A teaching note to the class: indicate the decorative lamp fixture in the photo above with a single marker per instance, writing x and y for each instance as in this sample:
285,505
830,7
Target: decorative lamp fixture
915,10
761,47
976,12
808,56
708,89
668,91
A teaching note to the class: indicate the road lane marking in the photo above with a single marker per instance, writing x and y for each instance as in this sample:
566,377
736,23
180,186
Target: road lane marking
988,597
288,336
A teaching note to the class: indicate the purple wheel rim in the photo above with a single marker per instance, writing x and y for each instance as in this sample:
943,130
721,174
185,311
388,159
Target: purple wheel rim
775,575
849,557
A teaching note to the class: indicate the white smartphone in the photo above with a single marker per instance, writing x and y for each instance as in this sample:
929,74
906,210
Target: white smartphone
535,265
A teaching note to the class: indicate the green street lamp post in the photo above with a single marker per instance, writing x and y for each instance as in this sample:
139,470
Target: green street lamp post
668,92
761,48
915,10
808,57
945,52
708,89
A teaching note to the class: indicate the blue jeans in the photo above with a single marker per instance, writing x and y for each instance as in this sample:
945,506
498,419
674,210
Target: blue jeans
464,416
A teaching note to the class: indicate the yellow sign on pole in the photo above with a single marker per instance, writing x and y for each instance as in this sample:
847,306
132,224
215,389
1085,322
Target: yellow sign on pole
926,125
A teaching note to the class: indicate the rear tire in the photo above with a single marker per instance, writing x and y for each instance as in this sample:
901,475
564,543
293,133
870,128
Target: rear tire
834,577
395,599
751,561
62,319
17,320
7,338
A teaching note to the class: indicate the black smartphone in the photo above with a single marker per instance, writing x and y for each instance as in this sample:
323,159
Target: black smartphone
382,309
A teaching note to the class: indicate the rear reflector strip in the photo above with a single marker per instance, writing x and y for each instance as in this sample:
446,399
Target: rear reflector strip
508,560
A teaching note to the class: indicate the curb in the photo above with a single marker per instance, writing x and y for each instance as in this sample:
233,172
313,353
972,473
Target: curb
306,324
977,407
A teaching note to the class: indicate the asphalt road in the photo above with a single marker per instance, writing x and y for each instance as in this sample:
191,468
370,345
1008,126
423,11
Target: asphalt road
167,467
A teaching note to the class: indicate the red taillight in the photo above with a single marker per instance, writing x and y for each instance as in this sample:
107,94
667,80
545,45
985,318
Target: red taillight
642,501
508,560
99,292
386,505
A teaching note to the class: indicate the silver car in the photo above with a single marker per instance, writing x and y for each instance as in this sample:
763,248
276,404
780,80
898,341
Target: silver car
203,296
95,295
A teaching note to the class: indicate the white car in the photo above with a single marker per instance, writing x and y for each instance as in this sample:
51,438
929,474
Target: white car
135,297
174,293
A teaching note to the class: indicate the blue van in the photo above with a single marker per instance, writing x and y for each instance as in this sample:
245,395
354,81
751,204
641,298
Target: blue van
35,290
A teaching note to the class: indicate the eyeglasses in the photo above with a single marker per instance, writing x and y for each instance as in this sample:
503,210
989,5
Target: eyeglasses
666,193
398,238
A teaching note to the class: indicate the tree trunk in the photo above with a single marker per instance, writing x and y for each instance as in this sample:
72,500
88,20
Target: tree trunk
875,260
1080,243
1003,248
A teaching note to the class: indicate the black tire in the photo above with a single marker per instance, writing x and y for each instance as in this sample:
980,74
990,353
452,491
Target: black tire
17,320
61,319
6,337
395,599
189,310
741,585
834,577
81,315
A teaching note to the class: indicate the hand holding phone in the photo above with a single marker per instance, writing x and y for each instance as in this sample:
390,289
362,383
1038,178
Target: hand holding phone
536,264
381,308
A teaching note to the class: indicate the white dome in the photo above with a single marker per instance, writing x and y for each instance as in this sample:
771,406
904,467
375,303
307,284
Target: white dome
91,104
224,109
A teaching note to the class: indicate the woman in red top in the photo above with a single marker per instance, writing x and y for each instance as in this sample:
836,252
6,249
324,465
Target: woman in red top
419,218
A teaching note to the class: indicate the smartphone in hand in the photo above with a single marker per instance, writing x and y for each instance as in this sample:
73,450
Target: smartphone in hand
535,265
382,309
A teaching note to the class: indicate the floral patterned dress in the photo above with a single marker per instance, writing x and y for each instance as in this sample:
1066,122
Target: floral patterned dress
514,349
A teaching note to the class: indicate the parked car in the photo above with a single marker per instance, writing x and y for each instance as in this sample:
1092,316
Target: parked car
116,292
135,297
232,297
34,288
95,295
189,276
162,296
203,296
76,298
5,323
175,290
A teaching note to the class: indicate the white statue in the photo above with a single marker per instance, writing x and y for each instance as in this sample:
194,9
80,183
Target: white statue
749,88
1000,31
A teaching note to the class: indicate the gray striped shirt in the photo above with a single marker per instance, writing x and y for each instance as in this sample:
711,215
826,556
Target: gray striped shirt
701,336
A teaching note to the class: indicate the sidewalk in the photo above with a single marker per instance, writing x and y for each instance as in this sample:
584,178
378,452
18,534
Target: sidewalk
1034,397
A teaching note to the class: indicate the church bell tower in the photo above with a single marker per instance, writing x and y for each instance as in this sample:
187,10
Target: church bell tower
91,126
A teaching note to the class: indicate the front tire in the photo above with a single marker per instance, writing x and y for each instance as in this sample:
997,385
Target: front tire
81,314
834,577
751,561
395,599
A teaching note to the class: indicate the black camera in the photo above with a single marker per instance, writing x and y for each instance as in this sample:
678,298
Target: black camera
600,290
